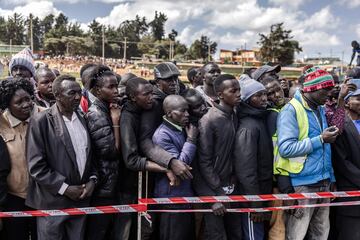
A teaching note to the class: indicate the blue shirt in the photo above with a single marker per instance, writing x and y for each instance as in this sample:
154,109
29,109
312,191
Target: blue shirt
357,125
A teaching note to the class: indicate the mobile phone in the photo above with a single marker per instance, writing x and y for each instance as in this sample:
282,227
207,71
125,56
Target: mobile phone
332,129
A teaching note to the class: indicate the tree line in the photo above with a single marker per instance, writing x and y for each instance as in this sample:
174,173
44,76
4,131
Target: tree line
56,35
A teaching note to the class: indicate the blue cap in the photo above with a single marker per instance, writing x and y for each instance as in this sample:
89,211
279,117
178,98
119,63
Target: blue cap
351,94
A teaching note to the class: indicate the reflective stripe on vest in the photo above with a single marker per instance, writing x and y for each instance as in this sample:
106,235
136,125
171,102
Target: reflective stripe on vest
284,166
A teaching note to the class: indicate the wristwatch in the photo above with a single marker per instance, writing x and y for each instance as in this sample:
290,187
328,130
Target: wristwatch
321,139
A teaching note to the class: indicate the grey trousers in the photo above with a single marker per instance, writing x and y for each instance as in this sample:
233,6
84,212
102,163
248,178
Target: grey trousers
313,223
62,227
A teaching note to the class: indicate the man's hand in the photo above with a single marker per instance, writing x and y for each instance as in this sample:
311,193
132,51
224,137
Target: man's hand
192,131
329,134
257,217
218,209
74,192
346,88
180,169
88,189
174,181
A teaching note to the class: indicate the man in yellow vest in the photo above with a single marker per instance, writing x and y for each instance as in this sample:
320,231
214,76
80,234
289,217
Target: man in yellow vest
305,155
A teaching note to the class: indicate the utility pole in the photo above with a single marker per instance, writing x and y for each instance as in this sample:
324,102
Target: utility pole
10,47
103,45
31,34
125,46
170,51
342,63
209,52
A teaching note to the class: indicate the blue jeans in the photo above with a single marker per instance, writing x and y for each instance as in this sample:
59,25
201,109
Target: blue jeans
311,222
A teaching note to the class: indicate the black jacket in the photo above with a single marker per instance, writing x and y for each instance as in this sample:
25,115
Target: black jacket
346,161
213,166
253,151
52,161
150,121
131,153
4,171
106,156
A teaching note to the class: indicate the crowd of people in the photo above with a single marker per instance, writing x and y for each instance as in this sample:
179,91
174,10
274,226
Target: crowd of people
66,144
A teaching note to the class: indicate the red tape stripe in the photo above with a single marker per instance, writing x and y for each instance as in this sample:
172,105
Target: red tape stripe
250,198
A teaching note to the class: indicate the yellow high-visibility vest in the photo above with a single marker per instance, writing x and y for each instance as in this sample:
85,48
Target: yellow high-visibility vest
284,166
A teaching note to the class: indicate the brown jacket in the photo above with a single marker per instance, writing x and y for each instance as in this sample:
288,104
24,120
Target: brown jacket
13,131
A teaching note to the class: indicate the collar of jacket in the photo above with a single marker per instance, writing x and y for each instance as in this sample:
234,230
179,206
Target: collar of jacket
224,109
172,125
101,105
158,94
132,107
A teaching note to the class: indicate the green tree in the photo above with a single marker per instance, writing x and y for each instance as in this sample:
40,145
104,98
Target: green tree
157,25
3,30
200,48
74,29
16,29
47,23
60,28
173,35
95,33
278,46
37,32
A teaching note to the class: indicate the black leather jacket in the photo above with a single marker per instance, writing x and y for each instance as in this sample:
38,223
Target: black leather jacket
213,167
107,158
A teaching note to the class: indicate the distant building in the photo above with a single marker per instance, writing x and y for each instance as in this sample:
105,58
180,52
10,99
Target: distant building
245,57
9,50
322,60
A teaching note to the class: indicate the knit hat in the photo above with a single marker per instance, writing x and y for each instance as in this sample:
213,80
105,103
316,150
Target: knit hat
316,79
166,70
23,58
265,69
250,87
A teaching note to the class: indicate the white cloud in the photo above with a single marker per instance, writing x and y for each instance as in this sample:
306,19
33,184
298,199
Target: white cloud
286,3
322,19
350,3
39,9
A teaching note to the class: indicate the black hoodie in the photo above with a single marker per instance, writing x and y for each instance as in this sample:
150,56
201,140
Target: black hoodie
150,121
253,151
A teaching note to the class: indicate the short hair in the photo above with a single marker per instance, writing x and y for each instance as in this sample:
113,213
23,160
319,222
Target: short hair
190,92
125,78
191,73
9,87
56,86
96,75
133,85
202,69
219,82
86,66
42,70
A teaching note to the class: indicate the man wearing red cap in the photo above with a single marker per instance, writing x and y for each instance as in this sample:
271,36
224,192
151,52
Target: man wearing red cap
305,155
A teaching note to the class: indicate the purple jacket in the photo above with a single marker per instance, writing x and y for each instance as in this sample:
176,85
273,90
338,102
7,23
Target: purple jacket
173,140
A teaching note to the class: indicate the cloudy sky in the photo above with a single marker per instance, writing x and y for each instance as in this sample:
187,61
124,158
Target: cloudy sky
322,27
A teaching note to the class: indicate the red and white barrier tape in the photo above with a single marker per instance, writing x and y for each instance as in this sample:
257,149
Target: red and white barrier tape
265,209
142,207
77,211
250,198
